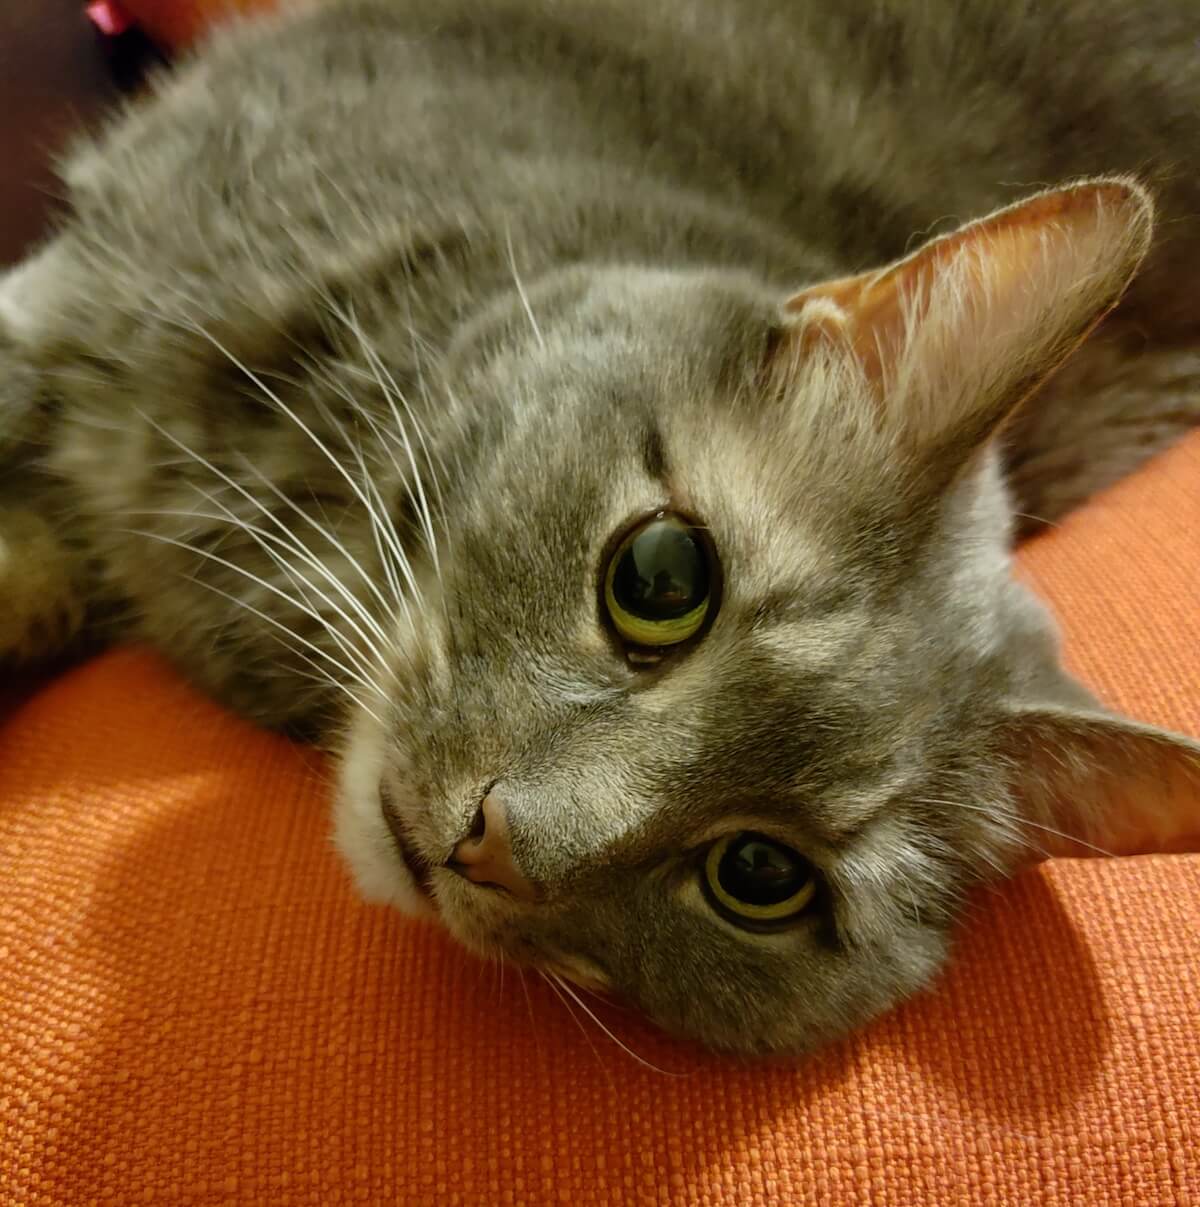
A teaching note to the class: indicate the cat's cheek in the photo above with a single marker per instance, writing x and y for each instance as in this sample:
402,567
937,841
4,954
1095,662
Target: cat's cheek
361,834
378,873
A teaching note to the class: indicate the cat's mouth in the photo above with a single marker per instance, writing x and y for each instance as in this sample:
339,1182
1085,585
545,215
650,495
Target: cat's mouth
419,868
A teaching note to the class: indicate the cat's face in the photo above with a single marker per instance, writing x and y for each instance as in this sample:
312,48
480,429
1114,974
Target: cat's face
726,670
807,708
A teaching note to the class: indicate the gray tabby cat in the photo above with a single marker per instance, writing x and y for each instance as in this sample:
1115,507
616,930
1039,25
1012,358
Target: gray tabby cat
542,402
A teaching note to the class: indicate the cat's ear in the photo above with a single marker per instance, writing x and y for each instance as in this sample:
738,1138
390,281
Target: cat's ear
950,339
1089,783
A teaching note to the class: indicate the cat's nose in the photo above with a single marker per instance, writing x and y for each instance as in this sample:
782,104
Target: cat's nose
485,856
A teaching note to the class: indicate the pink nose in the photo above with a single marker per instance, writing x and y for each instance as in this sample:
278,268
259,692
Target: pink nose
485,855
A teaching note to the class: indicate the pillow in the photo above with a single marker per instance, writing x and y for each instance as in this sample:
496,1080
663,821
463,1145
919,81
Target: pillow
194,1007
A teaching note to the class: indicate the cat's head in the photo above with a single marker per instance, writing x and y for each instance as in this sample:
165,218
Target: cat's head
719,694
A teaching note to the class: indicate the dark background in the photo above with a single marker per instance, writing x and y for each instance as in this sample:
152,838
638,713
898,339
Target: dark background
58,74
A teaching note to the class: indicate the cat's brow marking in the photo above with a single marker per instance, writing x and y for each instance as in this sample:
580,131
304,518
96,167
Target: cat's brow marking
654,453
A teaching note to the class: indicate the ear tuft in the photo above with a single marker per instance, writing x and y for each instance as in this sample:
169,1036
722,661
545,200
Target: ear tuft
951,338
1090,783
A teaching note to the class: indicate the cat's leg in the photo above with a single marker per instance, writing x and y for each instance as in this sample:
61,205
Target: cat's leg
42,575
42,593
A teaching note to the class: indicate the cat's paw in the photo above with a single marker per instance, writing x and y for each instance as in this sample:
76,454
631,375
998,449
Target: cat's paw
41,608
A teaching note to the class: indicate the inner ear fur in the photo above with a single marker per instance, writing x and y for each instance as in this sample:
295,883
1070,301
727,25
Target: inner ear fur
946,342
1089,783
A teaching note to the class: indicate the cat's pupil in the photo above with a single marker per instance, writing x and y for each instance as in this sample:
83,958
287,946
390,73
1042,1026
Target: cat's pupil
758,871
662,574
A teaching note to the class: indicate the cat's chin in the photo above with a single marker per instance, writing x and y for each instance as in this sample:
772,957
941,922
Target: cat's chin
376,859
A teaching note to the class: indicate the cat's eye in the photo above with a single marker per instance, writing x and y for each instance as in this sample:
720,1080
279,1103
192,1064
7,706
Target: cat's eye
658,584
753,879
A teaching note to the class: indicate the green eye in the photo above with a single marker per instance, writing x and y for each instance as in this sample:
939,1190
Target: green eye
657,588
751,877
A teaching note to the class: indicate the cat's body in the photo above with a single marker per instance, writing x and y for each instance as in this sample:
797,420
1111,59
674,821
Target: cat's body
510,275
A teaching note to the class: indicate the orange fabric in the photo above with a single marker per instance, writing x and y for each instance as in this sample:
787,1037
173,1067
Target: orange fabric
194,1009
178,23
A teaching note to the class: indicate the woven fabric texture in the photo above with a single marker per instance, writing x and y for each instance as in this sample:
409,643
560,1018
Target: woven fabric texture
195,1009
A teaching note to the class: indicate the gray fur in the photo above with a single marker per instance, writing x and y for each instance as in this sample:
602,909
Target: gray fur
470,267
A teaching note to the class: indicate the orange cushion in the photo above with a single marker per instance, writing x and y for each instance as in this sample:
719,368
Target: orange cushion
178,23
194,1008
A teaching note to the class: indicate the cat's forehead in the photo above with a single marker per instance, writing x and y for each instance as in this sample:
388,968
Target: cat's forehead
790,697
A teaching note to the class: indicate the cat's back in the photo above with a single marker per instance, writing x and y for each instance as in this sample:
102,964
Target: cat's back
860,120
850,126
855,122
863,122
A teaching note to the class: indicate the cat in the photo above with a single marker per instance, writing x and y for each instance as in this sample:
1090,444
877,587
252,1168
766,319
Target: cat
597,423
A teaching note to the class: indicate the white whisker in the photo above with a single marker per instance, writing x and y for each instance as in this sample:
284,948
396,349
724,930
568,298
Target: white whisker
575,1019
569,989
287,502
388,534
265,540
318,675
318,669
1018,821
405,566
364,666
377,512
391,391
384,602
528,1004
516,276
